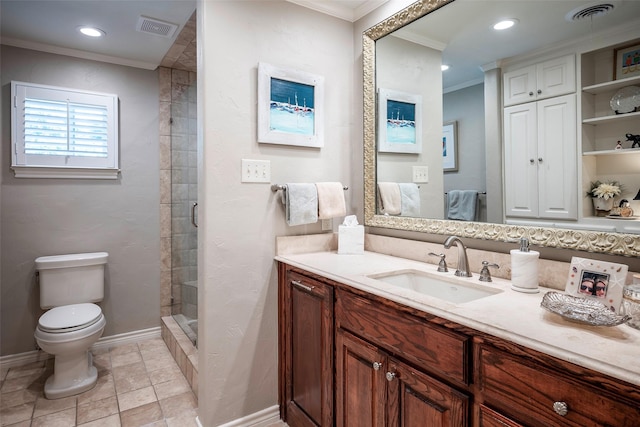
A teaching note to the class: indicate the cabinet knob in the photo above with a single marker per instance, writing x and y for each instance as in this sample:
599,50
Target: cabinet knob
540,159
377,366
530,93
539,91
532,161
561,408
390,376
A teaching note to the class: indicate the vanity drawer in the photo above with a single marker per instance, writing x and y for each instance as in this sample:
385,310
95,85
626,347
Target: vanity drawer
528,393
431,347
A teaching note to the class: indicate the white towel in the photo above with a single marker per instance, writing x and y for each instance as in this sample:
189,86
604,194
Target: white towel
390,200
301,203
331,202
462,204
409,199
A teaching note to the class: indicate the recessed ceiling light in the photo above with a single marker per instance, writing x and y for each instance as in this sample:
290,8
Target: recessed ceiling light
444,67
91,31
503,25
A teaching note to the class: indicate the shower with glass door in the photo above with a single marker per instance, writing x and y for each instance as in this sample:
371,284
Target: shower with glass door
184,206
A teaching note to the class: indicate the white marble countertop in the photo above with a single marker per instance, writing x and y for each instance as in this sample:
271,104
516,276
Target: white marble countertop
511,315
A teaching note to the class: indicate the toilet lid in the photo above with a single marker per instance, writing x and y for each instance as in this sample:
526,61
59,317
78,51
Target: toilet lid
69,318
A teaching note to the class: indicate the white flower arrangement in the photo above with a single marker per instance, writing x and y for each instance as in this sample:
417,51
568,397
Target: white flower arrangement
605,190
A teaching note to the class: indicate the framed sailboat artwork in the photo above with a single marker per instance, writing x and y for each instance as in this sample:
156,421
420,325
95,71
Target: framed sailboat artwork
400,122
290,107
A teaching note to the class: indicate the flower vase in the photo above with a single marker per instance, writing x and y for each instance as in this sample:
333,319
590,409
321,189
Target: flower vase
602,206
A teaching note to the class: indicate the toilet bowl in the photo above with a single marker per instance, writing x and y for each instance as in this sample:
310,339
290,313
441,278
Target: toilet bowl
69,287
67,332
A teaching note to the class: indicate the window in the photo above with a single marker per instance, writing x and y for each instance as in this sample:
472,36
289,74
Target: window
63,133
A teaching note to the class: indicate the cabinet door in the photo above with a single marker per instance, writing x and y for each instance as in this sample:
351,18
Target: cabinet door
520,86
557,158
417,400
309,352
361,386
520,160
556,77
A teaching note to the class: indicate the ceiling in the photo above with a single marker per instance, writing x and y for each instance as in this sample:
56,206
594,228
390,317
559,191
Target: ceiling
464,30
51,26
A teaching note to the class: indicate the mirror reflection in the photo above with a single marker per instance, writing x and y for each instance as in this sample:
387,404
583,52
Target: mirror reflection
462,170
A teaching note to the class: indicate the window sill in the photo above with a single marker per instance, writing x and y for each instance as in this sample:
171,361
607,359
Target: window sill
73,173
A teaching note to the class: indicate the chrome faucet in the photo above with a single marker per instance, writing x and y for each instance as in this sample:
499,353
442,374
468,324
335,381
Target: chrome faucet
463,262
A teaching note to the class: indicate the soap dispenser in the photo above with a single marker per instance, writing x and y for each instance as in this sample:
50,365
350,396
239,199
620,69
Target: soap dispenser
524,268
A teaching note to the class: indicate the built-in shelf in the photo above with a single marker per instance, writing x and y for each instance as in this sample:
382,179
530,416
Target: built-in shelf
611,119
612,85
624,151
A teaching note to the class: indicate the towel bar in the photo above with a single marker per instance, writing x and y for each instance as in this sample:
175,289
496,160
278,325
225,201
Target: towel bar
277,187
479,192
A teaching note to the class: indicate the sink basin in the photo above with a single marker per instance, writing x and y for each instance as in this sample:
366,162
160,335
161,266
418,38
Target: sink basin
448,288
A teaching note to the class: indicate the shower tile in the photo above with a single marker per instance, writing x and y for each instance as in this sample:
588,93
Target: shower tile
165,186
165,152
164,83
164,118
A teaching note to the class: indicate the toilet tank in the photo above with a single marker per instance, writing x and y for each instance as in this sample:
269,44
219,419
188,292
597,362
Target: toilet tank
71,279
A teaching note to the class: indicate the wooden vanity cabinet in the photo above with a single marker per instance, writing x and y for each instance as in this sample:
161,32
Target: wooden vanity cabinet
375,389
306,350
543,396
349,358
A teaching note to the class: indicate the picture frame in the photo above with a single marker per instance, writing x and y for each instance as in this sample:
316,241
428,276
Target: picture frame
290,107
602,281
450,147
400,122
627,62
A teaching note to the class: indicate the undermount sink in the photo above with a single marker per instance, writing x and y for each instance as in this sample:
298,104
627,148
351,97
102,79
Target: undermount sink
448,288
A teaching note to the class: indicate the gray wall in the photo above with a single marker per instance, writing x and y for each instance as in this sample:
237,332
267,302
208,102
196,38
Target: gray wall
57,216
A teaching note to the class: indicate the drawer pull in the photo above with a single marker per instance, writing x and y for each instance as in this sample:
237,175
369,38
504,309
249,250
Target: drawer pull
377,366
301,286
561,408
390,376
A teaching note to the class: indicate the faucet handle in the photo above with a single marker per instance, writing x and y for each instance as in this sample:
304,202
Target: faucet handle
485,275
442,265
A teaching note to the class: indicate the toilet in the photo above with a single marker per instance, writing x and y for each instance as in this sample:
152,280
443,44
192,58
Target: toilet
69,287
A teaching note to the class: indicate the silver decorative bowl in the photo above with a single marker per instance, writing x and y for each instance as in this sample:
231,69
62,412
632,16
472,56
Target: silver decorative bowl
582,310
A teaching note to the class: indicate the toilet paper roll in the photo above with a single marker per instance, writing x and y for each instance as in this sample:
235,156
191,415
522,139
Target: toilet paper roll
524,271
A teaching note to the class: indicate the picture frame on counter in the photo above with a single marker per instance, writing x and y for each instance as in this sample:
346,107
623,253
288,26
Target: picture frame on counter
602,281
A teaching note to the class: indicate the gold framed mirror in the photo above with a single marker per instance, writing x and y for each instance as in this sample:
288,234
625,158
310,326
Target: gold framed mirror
583,240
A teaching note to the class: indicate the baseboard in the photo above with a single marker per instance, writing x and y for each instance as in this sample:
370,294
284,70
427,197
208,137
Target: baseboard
21,359
263,418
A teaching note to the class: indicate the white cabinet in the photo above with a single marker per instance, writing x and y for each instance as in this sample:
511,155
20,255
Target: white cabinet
539,81
541,159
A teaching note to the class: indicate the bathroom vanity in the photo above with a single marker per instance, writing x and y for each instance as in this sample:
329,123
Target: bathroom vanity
356,350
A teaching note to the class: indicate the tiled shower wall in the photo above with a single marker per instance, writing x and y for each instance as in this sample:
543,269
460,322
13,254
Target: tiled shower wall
178,184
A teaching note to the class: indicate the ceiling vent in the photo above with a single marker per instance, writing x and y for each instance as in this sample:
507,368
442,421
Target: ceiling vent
156,27
589,11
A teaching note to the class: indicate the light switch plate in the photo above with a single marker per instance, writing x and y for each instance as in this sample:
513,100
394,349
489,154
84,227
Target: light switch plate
420,174
256,170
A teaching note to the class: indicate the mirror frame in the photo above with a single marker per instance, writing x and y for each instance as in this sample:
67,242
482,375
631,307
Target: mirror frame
582,240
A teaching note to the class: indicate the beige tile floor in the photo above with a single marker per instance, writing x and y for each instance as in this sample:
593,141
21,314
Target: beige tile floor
138,385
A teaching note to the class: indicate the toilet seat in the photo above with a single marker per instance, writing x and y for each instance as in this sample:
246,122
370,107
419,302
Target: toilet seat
69,318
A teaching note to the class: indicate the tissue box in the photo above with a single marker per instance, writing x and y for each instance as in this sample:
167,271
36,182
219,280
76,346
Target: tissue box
351,239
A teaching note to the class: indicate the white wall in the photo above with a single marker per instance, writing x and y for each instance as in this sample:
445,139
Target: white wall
238,225
57,216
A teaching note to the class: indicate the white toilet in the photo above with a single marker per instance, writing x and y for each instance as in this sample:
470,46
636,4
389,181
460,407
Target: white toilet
69,285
